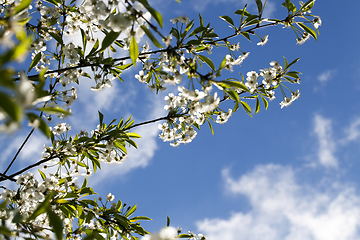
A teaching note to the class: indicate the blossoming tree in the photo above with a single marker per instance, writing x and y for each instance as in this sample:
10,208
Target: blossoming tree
116,35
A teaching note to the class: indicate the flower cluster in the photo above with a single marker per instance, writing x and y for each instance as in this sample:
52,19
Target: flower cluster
31,192
193,110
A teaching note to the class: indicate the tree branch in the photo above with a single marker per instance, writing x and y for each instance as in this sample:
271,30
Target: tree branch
3,178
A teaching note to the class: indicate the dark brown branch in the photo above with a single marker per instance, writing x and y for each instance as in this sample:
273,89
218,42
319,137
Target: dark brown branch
19,150
28,167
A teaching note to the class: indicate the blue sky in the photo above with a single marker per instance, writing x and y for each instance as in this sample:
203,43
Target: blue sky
290,173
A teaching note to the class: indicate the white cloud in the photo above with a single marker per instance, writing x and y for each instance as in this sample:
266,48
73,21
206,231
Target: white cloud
31,152
283,208
85,112
327,75
353,131
327,146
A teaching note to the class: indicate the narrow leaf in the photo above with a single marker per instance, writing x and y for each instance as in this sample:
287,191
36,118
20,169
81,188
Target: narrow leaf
22,6
10,107
151,36
167,221
134,50
42,208
83,36
131,211
43,176
257,106
266,104
259,6
233,95
155,14
35,61
308,30
292,63
56,223
211,128
246,107
207,61
57,37
109,39
95,47
227,19
101,119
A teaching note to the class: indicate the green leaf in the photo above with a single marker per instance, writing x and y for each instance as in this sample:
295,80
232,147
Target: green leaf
134,50
35,61
211,127
133,135
193,42
155,14
201,20
17,218
222,65
175,33
42,208
257,106
123,221
233,95
101,119
207,61
55,2
197,30
57,37
44,128
131,211
292,63
227,19
54,110
308,5
140,218
286,62
188,27
242,12
308,30
84,183
266,104
22,6
119,205
289,6
83,36
236,84
184,235
120,146
43,176
5,231
95,47
109,39
10,107
246,107
167,221
247,35
56,223
259,6
151,36
293,74
124,67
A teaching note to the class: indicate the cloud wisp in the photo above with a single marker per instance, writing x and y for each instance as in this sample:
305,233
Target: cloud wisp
352,133
284,208
327,146
327,75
